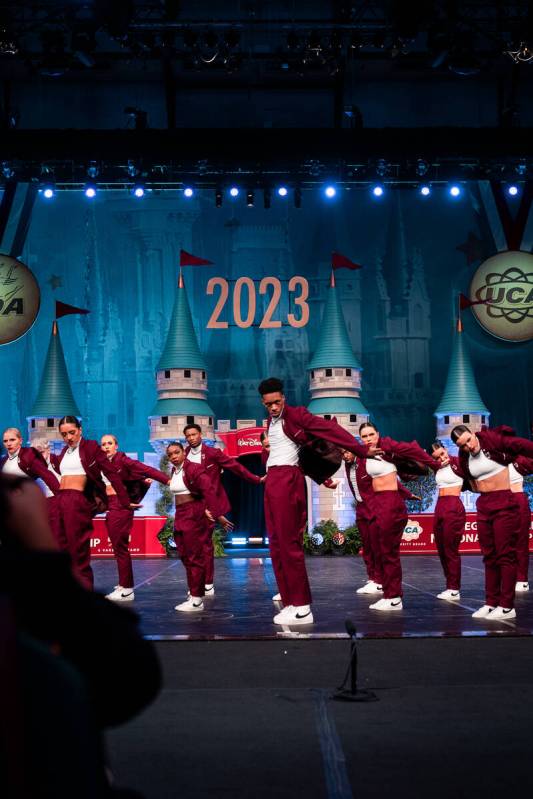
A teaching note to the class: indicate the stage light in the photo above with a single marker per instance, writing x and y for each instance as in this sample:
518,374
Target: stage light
425,190
283,191
188,191
234,191
90,190
454,191
218,198
330,191
377,191
48,191
250,198
138,190
512,190
238,540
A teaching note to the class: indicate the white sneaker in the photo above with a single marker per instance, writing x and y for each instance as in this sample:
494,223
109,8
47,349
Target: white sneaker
210,589
451,595
521,588
388,604
120,594
370,587
483,612
193,604
276,598
292,615
500,613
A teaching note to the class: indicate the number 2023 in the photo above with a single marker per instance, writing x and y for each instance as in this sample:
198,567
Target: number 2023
296,284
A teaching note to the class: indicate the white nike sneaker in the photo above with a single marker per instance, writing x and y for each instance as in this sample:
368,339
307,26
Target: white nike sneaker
450,595
294,614
483,612
388,604
370,587
276,598
120,594
499,614
193,604
209,589
521,588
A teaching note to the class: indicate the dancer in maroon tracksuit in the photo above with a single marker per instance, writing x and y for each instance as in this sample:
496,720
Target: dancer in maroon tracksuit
25,461
288,430
214,462
43,446
136,477
360,484
81,464
197,506
484,457
520,468
398,458
449,519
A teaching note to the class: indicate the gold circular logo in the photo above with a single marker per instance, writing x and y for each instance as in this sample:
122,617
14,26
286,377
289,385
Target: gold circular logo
505,283
20,299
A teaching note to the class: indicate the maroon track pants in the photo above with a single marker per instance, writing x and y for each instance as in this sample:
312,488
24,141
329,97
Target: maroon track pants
285,517
391,518
73,532
366,523
191,530
118,522
522,545
498,514
449,527
209,555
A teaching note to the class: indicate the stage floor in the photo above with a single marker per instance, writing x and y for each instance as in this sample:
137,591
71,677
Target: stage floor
244,583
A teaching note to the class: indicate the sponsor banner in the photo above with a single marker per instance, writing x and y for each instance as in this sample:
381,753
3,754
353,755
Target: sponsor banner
418,537
242,442
143,539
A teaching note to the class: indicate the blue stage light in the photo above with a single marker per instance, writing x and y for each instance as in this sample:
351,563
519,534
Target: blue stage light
188,192
330,191
377,191
138,191
512,190
283,191
238,540
90,190
234,191
48,192
455,190
425,191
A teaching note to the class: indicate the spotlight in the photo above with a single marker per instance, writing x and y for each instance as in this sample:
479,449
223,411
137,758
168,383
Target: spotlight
218,198
250,198
234,191
188,191
330,191
512,190
377,191
283,191
90,190
266,197
454,191
425,190
297,197
48,191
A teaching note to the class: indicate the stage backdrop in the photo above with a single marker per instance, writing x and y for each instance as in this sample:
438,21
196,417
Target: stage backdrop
118,257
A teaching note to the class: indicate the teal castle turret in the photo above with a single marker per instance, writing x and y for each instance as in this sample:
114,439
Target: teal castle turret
54,398
334,383
460,402
181,378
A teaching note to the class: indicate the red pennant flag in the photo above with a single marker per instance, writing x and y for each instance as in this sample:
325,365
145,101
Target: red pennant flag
186,259
339,261
62,309
464,302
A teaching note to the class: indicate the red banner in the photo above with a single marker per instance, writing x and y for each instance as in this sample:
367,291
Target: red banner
242,442
143,539
418,537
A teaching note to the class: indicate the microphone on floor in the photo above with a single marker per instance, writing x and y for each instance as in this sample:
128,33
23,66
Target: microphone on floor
353,693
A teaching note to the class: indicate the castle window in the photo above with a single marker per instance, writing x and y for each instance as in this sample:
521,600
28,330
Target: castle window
348,373
33,423
167,373
419,380
329,372
164,420
312,372
210,420
49,422
466,417
446,420
203,375
353,417
186,373
190,419
327,416
482,418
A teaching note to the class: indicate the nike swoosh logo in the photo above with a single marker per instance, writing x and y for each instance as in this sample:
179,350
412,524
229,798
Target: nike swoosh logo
395,604
298,616
505,612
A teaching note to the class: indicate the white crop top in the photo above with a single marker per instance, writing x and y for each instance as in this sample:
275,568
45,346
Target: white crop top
177,484
195,454
70,465
104,479
46,490
11,466
376,467
446,478
481,467
514,476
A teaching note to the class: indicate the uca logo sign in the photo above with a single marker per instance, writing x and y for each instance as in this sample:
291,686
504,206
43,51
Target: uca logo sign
412,530
505,283
19,299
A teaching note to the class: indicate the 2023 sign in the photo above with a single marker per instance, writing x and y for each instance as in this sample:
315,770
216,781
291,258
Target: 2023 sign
244,293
